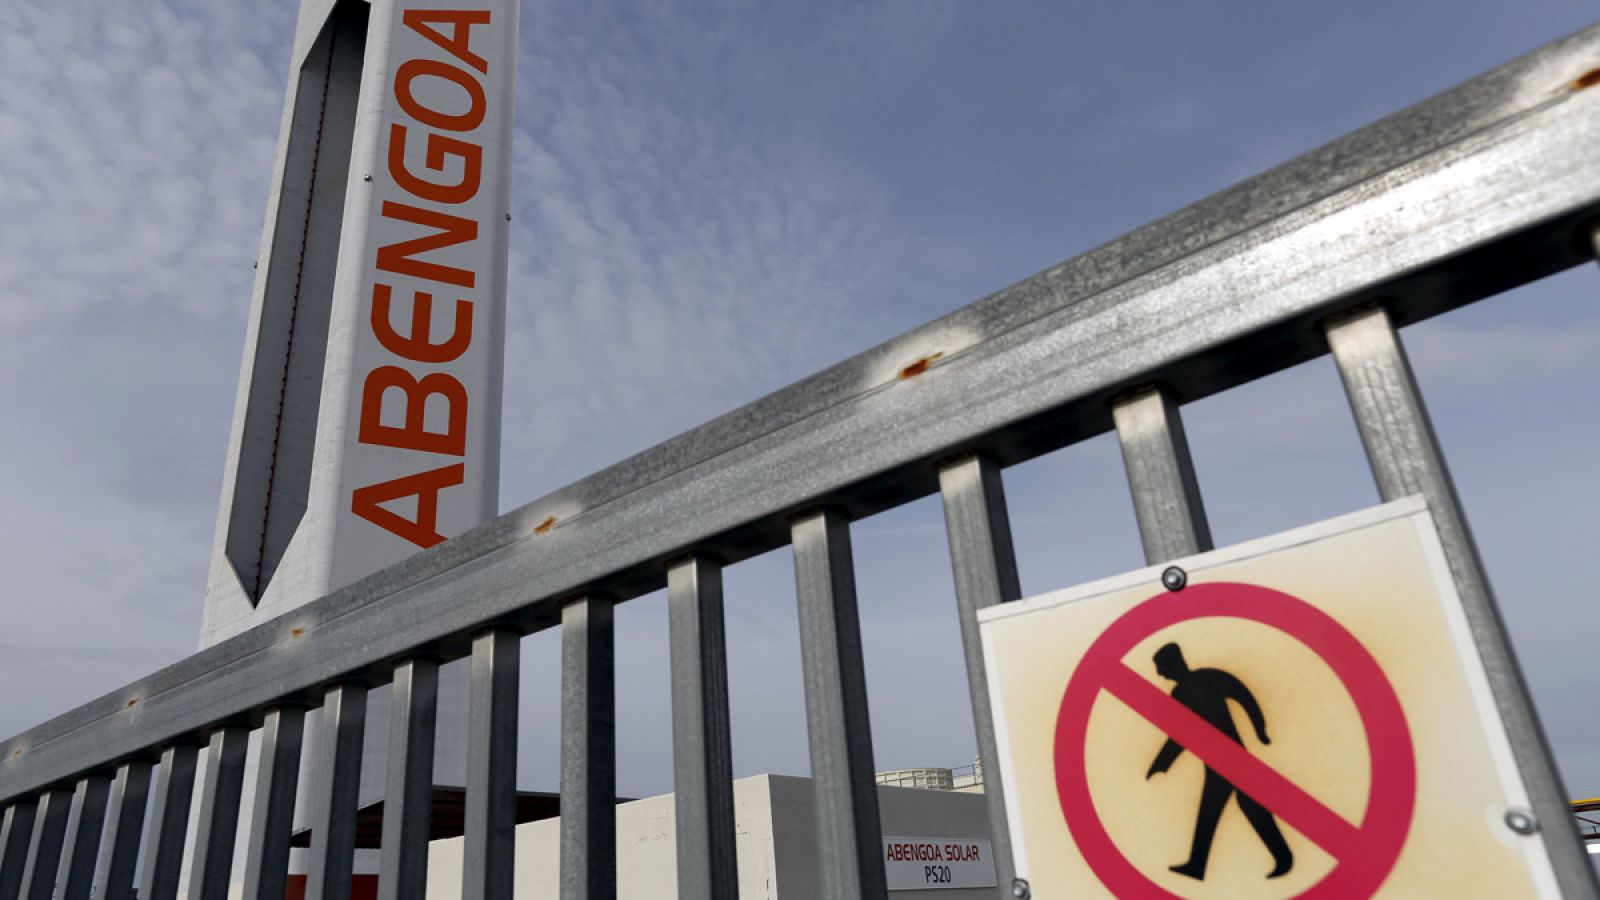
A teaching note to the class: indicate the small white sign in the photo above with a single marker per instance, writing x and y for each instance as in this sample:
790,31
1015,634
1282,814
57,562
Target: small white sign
932,863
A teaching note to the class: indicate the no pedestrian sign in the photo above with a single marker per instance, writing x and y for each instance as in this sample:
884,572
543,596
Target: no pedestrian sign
1306,717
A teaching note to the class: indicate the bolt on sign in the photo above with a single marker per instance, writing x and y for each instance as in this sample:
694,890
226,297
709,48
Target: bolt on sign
1305,715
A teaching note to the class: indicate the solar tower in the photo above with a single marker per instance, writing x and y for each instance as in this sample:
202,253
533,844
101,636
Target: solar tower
367,422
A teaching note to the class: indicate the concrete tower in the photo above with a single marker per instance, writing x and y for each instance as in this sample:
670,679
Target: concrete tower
367,421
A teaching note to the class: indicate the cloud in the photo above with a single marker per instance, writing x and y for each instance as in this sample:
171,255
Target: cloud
712,201
137,155
136,152
668,262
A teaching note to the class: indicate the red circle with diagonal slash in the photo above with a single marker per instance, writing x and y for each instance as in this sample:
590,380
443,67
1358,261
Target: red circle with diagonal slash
1364,854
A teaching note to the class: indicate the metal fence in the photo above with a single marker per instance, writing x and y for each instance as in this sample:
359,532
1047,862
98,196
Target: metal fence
1485,187
1583,814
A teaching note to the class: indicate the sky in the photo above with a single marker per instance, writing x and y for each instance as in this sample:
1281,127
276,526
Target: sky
712,201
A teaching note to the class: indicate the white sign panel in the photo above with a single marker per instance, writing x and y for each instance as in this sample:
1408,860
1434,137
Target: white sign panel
422,396
932,863
1305,715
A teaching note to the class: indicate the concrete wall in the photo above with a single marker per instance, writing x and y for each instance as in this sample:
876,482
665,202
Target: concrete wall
774,821
646,851
902,812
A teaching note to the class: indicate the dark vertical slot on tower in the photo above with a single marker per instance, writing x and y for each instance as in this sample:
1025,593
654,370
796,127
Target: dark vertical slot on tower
275,456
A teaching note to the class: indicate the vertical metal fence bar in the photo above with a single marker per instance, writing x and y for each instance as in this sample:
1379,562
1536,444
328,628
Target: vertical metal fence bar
266,868
44,851
1166,494
985,567
1406,459
849,836
335,792
408,791
702,750
16,834
84,826
489,864
169,824
119,858
215,835
588,751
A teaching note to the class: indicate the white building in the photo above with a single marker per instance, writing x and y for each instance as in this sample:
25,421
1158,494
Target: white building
936,846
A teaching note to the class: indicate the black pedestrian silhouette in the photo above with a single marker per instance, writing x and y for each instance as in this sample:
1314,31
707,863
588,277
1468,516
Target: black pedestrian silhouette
1206,692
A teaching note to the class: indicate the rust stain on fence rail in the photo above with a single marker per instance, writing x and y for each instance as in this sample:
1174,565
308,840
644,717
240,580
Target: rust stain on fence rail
1586,80
920,366
545,526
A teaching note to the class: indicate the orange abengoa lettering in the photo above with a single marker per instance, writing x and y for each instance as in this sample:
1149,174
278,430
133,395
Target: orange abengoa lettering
425,486
450,173
416,345
460,39
412,69
413,435
399,258
439,147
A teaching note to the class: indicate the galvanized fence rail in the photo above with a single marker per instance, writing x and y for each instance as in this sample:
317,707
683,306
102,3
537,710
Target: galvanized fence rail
1483,188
